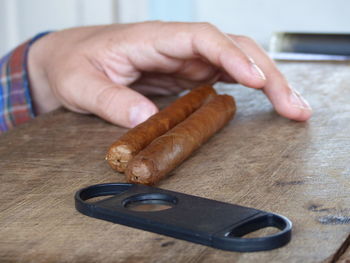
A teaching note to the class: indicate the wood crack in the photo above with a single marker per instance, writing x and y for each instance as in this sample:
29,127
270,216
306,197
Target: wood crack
342,249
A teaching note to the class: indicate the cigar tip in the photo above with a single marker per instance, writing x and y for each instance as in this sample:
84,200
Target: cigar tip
142,171
118,157
139,172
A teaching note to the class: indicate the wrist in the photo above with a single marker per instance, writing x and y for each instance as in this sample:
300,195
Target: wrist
43,98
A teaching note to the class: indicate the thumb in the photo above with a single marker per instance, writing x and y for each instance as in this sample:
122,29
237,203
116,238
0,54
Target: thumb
123,106
115,103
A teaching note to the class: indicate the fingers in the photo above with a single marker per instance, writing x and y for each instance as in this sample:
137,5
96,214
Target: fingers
89,91
197,70
194,40
188,41
287,102
171,84
161,84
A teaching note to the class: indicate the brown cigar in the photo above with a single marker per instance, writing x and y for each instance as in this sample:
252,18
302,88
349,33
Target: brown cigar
172,148
128,145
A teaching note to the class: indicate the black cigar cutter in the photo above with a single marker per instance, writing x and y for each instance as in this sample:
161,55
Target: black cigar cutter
195,219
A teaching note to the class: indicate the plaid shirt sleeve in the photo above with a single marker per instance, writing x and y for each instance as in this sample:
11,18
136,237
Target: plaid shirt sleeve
15,102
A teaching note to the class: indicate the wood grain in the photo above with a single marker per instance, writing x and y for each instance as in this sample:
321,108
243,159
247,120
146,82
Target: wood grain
261,160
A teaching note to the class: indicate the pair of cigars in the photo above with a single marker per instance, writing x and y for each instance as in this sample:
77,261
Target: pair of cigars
148,152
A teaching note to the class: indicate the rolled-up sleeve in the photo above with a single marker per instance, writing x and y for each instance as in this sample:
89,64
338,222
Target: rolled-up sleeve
15,101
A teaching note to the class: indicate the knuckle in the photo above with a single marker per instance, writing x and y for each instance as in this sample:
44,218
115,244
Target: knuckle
243,39
154,23
147,26
205,26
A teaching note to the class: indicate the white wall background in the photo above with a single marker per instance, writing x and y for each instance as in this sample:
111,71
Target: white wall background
260,18
21,19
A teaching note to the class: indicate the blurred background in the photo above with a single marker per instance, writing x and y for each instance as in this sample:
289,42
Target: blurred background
21,19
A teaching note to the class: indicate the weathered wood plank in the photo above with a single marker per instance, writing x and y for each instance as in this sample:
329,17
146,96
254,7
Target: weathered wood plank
300,170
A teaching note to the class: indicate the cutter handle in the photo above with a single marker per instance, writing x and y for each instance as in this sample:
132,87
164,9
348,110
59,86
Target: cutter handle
232,238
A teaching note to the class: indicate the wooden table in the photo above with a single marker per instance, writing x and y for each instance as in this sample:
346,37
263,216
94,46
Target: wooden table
261,160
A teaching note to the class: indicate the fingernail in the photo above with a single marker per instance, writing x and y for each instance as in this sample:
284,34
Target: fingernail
139,113
298,101
257,71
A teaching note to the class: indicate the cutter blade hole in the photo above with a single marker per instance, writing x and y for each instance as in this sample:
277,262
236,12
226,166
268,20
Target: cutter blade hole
150,202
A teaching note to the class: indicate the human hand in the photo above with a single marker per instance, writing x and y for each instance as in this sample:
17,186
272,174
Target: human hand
104,69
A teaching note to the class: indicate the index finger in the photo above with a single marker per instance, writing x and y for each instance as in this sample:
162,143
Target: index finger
193,40
287,101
